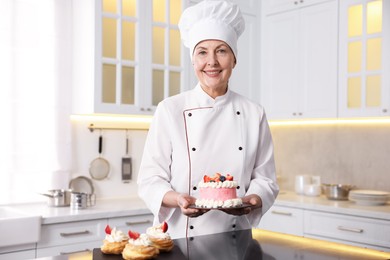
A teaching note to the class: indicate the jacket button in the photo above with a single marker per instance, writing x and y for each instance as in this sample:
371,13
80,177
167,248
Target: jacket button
191,227
189,114
234,226
238,113
194,188
193,149
240,148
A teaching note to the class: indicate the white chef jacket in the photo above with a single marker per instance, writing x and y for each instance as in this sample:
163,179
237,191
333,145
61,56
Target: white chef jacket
192,135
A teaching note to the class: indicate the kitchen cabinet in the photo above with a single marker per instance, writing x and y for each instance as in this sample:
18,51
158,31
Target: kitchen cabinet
26,254
364,57
127,55
276,6
365,232
65,238
283,220
135,223
299,61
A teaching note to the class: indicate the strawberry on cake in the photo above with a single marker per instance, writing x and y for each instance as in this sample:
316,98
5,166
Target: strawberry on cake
218,191
114,242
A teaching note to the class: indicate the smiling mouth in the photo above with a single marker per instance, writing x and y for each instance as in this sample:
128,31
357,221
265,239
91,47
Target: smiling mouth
212,73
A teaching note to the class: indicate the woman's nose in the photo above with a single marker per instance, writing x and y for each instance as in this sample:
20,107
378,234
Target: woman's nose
212,60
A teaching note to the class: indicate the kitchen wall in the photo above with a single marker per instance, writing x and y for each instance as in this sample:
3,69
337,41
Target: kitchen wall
356,154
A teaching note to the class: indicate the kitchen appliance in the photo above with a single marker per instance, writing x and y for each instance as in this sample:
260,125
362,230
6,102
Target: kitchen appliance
337,191
99,167
58,197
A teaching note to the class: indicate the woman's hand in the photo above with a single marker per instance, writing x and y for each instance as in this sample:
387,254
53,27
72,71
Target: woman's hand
252,199
184,201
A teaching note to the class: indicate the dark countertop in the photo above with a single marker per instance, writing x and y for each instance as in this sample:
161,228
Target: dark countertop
253,244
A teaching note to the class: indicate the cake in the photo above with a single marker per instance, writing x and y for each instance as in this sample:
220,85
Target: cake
160,238
139,247
114,242
218,191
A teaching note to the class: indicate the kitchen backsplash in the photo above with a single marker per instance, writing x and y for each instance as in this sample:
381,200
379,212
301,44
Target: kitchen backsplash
348,154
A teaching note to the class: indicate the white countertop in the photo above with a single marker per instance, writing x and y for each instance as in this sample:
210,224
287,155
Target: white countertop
108,208
321,203
104,208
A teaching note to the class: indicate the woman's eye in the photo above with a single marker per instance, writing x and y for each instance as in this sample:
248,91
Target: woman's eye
221,51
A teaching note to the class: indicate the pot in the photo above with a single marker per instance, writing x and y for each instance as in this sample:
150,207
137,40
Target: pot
58,197
337,191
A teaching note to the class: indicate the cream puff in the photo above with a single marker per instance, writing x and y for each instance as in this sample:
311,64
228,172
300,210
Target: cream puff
160,238
114,242
139,247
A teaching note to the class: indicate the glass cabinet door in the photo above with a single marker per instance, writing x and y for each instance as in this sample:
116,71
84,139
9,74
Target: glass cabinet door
363,77
138,54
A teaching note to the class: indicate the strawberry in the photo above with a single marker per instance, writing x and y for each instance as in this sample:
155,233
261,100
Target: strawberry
229,177
206,178
133,234
108,230
164,226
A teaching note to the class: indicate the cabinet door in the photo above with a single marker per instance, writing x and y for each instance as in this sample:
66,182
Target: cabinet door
83,250
134,223
284,220
299,68
277,6
280,56
27,254
364,81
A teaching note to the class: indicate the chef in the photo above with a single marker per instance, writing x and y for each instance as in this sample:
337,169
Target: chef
206,130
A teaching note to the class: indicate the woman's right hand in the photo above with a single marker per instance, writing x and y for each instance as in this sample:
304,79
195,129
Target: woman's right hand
184,201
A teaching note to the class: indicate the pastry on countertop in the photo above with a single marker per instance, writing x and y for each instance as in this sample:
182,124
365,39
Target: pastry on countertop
139,247
114,242
160,238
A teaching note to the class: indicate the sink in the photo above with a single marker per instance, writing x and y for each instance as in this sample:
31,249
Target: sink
18,228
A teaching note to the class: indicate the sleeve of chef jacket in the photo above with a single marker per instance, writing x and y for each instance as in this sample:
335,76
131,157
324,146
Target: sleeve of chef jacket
154,174
263,179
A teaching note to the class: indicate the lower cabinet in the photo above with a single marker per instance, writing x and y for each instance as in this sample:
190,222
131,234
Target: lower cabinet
365,232
20,255
346,229
284,220
84,236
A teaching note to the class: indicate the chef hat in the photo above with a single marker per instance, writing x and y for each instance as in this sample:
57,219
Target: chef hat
211,20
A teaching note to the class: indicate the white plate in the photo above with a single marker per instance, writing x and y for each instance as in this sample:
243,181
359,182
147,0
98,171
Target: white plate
370,193
369,202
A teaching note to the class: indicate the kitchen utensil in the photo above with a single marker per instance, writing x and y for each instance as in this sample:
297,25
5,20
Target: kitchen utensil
300,182
82,184
79,200
58,197
337,191
126,164
312,190
99,167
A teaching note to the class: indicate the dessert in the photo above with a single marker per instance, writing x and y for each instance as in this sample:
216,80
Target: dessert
160,238
139,247
218,191
114,242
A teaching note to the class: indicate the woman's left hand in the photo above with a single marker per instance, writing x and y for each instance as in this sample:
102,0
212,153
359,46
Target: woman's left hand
252,199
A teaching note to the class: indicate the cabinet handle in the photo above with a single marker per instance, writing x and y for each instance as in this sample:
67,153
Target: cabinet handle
355,230
281,213
74,233
384,110
74,252
138,222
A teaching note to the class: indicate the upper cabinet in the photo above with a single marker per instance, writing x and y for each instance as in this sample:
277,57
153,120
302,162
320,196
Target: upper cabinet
364,84
299,59
127,55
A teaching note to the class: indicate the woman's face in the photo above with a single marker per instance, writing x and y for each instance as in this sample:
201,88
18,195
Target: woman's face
213,62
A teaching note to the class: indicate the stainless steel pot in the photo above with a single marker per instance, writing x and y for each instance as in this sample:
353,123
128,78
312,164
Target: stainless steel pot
58,197
337,191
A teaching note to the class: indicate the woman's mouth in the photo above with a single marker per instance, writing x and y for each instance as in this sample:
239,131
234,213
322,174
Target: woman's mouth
212,73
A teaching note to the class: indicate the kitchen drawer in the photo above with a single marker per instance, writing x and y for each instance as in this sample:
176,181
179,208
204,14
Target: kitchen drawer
348,228
27,254
284,220
135,223
82,248
72,232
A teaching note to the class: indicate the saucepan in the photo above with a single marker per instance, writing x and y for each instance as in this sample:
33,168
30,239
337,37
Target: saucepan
58,197
337,191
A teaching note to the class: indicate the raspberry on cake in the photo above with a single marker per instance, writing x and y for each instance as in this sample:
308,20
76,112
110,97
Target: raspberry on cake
218,191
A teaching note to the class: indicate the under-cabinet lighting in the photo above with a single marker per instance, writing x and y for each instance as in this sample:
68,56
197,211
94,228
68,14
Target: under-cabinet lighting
319,122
